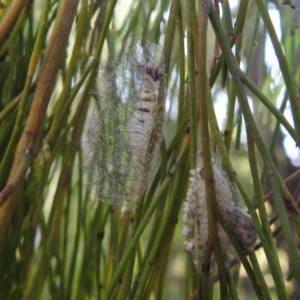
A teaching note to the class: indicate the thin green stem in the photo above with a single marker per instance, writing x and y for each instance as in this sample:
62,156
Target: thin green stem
192,85
211,199
276,180
6,161
283,64
271,107
271,256
273,261
29,140
157,257
134,241
181,68
169,35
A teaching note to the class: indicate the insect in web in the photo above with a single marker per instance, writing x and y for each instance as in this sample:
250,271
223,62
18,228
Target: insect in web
127,124
195,219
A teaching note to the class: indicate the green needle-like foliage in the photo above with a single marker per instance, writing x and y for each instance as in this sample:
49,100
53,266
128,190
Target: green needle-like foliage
79,80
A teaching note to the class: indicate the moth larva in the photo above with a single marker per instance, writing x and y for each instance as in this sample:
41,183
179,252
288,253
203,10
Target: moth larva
127,126
145,125
195,227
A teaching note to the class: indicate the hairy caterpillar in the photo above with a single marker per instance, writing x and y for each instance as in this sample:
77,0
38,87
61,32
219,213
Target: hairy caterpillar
127,125
195,227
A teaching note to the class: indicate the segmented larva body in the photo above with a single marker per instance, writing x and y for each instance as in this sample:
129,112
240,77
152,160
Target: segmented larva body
127,127
144,127
195,227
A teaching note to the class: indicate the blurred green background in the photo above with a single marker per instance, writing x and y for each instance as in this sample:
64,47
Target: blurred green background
57,240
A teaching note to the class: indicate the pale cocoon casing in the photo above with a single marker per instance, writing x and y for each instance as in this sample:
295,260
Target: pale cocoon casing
195,219
127,125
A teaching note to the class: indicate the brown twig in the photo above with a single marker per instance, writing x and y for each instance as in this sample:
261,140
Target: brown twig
9,19
29,140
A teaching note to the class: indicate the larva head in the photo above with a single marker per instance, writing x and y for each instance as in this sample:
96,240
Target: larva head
156,73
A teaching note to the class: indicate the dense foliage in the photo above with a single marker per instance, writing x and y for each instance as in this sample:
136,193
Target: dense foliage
225,81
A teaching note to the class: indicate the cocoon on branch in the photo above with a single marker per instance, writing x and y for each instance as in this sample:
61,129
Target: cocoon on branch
195,228
127,125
